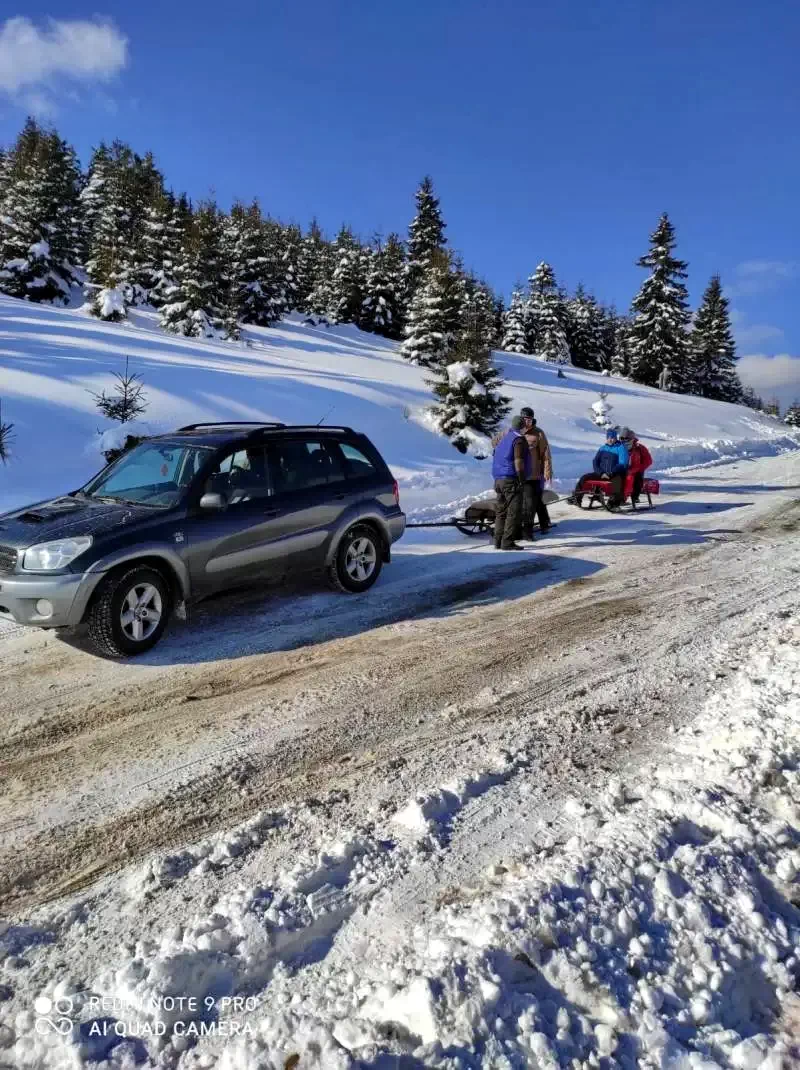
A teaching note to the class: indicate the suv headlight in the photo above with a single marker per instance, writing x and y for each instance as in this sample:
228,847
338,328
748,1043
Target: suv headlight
48,556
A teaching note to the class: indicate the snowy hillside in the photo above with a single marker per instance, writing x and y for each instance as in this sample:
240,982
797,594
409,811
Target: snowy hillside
50,360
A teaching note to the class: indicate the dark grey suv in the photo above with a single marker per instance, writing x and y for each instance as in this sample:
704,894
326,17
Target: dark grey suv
182,516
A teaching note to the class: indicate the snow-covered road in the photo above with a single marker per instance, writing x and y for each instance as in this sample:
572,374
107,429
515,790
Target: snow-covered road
355,812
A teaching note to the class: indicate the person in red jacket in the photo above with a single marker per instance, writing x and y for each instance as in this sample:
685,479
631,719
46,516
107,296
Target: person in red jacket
640,461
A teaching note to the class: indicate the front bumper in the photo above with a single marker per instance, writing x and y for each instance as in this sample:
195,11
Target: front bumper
67,594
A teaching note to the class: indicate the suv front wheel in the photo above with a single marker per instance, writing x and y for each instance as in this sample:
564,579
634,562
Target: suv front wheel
130,612
358,560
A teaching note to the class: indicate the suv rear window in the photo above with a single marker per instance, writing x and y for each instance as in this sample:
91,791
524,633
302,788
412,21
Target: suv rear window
357,464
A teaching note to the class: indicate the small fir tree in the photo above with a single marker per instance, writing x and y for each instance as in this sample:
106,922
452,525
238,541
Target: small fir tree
469,405
6,436
713,350
126,400
659,342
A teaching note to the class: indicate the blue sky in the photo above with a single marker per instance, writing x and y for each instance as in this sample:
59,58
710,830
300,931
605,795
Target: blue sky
555,132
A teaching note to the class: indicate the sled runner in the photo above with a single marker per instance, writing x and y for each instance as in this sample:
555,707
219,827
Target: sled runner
478,518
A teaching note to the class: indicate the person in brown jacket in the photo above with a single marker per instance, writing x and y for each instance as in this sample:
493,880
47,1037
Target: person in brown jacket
541,472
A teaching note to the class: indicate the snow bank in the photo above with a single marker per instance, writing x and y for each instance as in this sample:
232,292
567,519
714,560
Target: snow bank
664,933
52,359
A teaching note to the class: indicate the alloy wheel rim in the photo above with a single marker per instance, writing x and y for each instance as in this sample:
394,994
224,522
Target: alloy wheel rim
360,559
141,612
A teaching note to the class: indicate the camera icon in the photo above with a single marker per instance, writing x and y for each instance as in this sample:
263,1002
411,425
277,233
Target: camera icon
53,1015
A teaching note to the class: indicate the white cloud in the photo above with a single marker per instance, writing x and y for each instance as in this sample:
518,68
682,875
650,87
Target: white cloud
35,61
758,276
757,334
772,377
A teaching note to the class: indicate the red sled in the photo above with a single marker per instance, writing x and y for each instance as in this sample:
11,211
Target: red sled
599,490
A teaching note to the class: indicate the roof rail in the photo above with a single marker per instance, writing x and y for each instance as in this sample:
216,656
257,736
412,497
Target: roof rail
316,427
230,423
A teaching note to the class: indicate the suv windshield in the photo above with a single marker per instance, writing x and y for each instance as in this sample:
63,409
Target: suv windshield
154,473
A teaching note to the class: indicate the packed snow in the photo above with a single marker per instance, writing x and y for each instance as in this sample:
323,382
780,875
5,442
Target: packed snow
52,360
458,904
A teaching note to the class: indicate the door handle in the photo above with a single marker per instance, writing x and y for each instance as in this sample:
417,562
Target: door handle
271,512
339,497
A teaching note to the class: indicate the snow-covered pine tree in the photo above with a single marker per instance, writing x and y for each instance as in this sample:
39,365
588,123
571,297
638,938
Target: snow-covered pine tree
320,296
37,237
347,283
751,399
91,200
162,234
792,417
433,324
252,295
713,350
621,356
514,338
126,187
544,317
197,304
584,330
425,234
469,404
308,264
478,311
381,311
288,286
600,411
498,328
658,335
772,408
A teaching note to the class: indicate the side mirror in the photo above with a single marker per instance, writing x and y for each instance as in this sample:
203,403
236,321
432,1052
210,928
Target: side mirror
212,503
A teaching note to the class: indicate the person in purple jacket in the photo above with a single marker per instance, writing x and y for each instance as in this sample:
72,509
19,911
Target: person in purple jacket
511,466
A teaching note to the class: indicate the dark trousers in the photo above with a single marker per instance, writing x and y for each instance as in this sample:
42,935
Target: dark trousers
636,489
617,485
533,506
509,511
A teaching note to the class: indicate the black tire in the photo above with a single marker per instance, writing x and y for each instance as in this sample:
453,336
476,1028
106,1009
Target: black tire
341,571
104,618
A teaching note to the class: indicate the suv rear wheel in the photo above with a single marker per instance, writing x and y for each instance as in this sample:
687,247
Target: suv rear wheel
358,560
130,612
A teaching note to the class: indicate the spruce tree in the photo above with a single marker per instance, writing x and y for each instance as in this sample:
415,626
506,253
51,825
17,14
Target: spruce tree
381,310
6,437
38,209
425,234
254,294
433,323
514,338
198,305
621,358
751,399
713,350
288,295
544,318
309,260
469,406
792,417
477,313
584,330
347,282
658,335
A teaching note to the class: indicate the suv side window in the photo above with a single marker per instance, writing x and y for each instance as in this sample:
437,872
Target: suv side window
241,476
303,463
357,464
